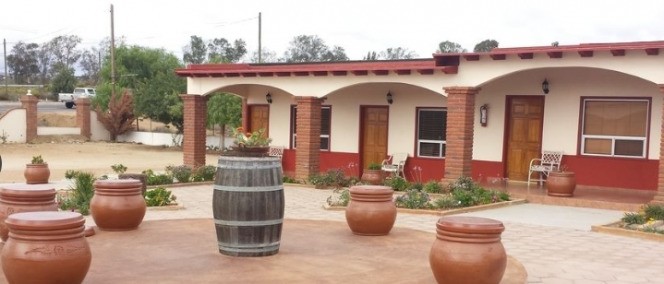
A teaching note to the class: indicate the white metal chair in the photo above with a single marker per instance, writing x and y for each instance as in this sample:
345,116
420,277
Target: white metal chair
550,161
395,164
276,151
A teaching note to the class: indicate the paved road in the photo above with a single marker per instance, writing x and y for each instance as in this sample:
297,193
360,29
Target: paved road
41,106
554,243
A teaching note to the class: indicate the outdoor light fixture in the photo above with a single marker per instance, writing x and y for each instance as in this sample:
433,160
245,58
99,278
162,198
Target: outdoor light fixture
545,86
389,98
484,114
268,98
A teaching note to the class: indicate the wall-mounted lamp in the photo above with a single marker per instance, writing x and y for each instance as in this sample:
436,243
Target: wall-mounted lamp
389,98
268,98
484,115
545,86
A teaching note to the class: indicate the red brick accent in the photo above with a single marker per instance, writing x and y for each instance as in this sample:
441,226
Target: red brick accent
307,153
460,119
29,103
195,116
83,116
659,197
245,114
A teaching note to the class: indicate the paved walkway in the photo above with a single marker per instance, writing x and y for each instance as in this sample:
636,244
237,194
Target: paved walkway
554,243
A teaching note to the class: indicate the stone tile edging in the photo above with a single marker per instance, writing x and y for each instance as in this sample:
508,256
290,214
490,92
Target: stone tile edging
443,212
610,229
171,207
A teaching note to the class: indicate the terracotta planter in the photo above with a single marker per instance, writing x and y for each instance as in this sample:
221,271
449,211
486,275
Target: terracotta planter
371,210
561,184
16,198
36,173
118,205
46,247
374,177
468,250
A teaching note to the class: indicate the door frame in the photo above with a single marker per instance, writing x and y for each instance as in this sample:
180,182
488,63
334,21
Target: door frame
508,116
363,109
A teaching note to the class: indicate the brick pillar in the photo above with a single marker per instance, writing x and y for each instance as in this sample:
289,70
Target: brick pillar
29,103
83,116
659,197
193,144
307,152
459,135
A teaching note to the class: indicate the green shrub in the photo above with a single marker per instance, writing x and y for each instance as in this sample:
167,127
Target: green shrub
80,194
633,218
181,173
445,202
653,211
119,168
413,199
155,179
204,173
332,178
432,187
397,183
374,166
159,197
417,186
287,179
339,197
465,183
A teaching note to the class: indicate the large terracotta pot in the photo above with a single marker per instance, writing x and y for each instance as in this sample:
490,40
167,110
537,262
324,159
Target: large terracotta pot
374,177
118,205
468,250
46,247
371,210
16,198
561,184
36,173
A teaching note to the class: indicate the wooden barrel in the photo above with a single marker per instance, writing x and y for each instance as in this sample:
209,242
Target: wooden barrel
248,205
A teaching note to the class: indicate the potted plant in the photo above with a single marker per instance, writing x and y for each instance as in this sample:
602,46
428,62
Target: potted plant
561,182
253,142
37,171
373,174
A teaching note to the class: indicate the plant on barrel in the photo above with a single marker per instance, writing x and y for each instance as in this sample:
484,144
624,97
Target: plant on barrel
36,171
251,139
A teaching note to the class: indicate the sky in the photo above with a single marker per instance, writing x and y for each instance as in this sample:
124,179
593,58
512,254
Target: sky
359,26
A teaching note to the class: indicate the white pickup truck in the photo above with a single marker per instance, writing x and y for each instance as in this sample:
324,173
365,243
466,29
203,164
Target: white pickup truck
70,99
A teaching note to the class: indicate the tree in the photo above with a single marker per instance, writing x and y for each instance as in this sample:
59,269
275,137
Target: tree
149,73
64,80
119,116
450,47
305,48
23,62
486,45
397,53
267,56
217,50
63,49
44,61
371,55
195,52
91,65
224,110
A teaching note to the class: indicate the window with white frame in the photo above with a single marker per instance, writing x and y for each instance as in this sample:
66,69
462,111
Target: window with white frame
431,132
615,127
325,126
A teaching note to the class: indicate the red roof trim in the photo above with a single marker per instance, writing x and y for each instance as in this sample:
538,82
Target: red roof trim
472,57
586,53
403,72
618,52
526,55
498,56
555,54
652,51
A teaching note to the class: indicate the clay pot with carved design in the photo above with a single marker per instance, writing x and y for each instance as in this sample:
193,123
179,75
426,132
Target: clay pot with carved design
46,247
16,198
118,205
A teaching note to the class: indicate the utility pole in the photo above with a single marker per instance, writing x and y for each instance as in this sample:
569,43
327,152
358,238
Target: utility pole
112,55
260,55
4,44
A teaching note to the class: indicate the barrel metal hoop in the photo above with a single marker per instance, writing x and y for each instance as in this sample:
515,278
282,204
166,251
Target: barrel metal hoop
248,248
248,223
249,189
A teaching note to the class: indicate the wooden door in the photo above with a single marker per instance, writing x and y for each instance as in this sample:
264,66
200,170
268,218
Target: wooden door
259,117
374,135
524,134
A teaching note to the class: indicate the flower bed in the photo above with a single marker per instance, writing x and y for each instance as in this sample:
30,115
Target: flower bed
648,223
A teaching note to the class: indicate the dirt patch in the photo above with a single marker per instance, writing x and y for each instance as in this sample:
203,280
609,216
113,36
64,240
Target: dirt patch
94,157
67,119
